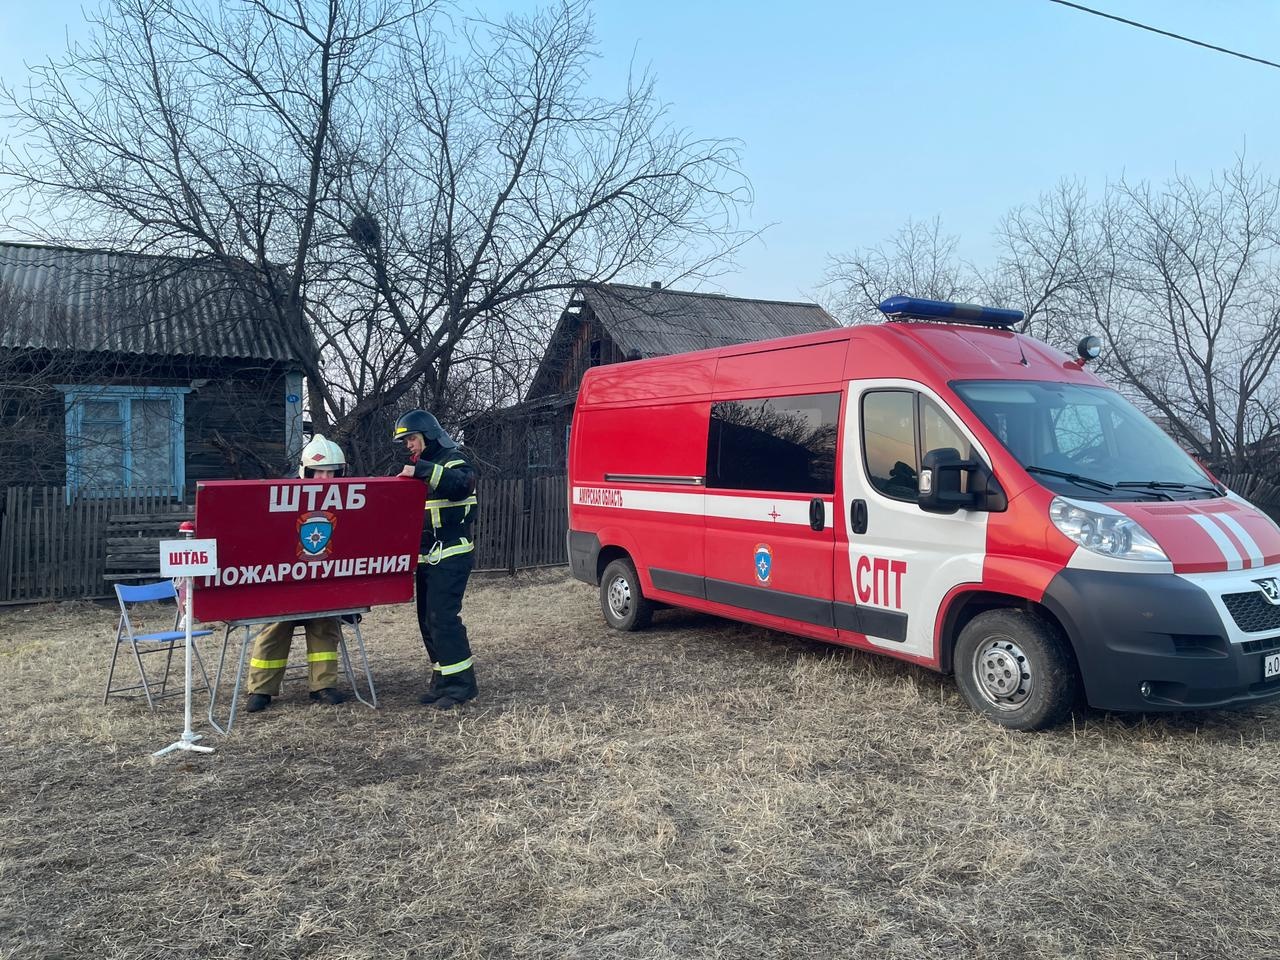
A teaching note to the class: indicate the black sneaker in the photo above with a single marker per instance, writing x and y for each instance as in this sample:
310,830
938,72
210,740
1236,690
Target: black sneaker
257,701
330,695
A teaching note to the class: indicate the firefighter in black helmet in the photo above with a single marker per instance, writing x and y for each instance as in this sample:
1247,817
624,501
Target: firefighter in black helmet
445,556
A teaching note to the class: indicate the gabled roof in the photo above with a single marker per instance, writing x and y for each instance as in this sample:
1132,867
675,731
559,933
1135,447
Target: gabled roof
655,322
61,298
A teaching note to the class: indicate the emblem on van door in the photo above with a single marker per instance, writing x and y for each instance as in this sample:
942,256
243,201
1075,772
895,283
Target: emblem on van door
1270,588
763,558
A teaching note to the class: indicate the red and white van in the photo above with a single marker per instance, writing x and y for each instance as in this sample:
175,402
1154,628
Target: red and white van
942,490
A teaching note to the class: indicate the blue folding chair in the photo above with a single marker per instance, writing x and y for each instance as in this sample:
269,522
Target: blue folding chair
142,644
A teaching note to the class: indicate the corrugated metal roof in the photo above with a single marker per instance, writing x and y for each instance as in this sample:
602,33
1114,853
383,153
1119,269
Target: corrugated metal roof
60,298
654,322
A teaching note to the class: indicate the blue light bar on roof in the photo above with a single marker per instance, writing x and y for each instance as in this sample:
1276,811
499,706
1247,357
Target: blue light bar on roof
917,308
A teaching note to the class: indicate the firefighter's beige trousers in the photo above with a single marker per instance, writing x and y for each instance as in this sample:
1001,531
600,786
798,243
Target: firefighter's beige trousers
271,654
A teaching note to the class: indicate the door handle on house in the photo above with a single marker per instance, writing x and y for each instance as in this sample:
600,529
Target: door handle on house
817,514
858,516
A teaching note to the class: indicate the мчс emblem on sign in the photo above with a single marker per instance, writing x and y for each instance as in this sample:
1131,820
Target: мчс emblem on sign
763,558
315,534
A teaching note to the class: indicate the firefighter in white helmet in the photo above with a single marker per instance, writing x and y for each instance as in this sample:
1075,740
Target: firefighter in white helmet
323,460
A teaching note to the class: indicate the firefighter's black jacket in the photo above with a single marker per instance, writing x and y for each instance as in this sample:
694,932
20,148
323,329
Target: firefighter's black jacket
450,503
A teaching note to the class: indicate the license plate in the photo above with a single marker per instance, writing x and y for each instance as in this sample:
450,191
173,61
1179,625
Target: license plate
1271,666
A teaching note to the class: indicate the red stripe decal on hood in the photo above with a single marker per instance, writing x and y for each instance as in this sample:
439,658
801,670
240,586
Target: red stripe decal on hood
1204,536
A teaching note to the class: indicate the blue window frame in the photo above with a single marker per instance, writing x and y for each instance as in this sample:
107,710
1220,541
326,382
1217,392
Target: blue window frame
124,436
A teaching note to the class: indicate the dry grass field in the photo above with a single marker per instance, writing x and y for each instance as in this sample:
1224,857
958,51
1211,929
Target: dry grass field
702,789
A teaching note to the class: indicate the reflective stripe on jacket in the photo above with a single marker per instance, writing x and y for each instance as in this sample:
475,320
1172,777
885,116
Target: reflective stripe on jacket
450,505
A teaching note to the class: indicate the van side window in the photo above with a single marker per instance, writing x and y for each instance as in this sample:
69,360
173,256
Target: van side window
787,444
891,448
938,430
889,442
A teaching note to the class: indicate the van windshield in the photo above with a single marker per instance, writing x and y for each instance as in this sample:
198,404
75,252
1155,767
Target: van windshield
1085,442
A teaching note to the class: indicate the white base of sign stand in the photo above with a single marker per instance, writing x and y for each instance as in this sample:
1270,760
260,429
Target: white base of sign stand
186,743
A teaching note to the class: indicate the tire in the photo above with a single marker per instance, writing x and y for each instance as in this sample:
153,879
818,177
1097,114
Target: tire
1016,669
622,601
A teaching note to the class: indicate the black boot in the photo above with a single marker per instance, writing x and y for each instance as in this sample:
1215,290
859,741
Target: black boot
455,689
330,695
433,691
257,701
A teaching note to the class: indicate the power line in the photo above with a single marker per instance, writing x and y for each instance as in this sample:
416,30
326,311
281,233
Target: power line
1165,33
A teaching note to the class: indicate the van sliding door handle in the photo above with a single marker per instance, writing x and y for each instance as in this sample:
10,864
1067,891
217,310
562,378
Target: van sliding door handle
817,514
858,516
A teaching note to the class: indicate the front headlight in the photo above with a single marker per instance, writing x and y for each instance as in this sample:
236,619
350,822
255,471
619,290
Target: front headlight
1110,534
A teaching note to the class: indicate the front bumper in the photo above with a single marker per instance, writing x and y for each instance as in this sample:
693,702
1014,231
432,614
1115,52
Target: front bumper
1158,629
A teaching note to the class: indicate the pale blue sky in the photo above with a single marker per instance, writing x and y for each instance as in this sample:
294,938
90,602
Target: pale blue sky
856,116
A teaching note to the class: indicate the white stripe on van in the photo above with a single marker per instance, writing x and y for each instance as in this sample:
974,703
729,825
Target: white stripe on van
1229,552
654,501
763,509
1250,545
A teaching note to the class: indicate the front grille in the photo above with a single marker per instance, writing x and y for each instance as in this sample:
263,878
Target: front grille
1251,611
1261,646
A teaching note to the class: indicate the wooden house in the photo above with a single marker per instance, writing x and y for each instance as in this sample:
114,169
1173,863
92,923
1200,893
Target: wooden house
124,380
613,323
125,370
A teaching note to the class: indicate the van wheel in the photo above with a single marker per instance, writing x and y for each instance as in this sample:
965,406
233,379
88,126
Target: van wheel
1016,669
621,600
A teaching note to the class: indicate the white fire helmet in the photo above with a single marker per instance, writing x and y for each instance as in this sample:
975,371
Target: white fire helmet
321,454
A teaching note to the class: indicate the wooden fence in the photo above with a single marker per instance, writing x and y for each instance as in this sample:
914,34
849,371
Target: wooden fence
522,523
54,550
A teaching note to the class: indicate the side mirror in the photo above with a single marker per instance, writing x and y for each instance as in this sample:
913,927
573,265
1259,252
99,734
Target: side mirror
940,482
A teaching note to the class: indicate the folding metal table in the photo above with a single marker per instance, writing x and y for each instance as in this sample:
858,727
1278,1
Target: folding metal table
354,622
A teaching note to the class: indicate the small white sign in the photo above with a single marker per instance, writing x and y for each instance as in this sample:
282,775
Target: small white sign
188,558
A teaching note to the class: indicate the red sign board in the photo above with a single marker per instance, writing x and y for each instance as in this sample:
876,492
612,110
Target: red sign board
306,546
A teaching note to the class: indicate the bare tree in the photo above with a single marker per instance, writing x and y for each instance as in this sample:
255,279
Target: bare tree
495,185
1182,281
1189,304
918,261
1044,252
186,129
408,192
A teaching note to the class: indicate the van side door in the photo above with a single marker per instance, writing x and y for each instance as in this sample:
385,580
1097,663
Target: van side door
770,487
899,562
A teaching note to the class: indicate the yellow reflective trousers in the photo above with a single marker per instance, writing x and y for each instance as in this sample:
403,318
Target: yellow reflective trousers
271,654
